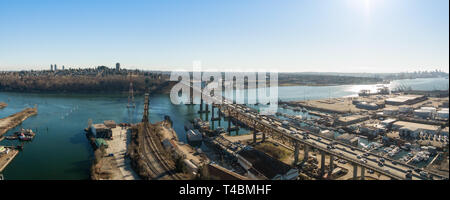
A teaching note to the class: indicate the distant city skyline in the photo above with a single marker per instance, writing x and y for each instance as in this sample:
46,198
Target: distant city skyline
372,36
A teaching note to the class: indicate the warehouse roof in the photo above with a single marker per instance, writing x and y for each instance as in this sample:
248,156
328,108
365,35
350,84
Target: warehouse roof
416,126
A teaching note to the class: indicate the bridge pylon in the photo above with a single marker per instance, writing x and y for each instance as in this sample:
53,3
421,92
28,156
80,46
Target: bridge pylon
145,118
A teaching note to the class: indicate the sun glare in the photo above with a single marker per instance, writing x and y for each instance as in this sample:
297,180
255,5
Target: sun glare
367,6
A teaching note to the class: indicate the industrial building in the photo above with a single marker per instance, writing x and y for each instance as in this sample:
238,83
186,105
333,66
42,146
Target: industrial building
444,131
262,166
388,122
220,173
373,129
353,119
442,114
101,131
425,112
327,134
348,139
110,124
405,109
410,129
405,100
367,106
390,111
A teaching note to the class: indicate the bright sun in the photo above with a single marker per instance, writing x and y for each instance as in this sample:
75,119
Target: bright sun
364,6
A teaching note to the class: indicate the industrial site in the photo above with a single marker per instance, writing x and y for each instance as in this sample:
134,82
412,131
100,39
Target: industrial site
372,136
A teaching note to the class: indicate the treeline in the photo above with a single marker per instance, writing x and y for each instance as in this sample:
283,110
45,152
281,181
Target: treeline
49,83
302,79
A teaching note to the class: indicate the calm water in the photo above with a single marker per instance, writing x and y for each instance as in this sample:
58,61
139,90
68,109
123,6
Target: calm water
61,151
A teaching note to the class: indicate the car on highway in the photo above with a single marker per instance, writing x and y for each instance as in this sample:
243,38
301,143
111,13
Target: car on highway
423,173
408,176
342,161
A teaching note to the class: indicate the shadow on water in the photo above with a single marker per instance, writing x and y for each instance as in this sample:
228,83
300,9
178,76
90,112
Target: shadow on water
79,138
82,167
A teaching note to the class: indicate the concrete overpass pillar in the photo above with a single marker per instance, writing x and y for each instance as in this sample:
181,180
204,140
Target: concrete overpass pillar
220,115
306,153
254,132
212,110
201,104
229,124
331,165
322,163
191,90
363,171
355,171
297,148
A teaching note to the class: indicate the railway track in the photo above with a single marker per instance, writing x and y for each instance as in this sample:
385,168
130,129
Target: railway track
149,159
152,148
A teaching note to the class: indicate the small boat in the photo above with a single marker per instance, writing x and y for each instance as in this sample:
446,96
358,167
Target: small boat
25,138
25,134
13,137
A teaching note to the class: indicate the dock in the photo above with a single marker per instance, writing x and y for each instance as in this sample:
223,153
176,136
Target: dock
6,158
3,105
13,120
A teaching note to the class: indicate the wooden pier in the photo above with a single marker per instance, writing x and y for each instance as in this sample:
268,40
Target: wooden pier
6,158
3,105
12,121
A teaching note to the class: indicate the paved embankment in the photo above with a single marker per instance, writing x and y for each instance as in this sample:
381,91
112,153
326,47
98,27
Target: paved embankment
12,121
6,158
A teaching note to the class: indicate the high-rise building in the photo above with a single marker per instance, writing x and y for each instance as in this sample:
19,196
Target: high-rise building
51,67
56,67
117,66
63,68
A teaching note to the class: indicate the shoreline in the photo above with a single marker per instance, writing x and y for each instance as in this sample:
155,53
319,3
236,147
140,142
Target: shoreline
14,120
7,159
3,105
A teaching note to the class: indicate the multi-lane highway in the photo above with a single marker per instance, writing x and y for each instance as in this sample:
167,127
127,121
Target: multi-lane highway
383,165
380,164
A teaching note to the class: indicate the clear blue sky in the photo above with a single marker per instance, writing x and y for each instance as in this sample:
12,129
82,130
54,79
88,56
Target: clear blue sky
294,35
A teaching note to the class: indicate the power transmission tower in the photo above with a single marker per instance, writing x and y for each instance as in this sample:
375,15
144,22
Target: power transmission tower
131,103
